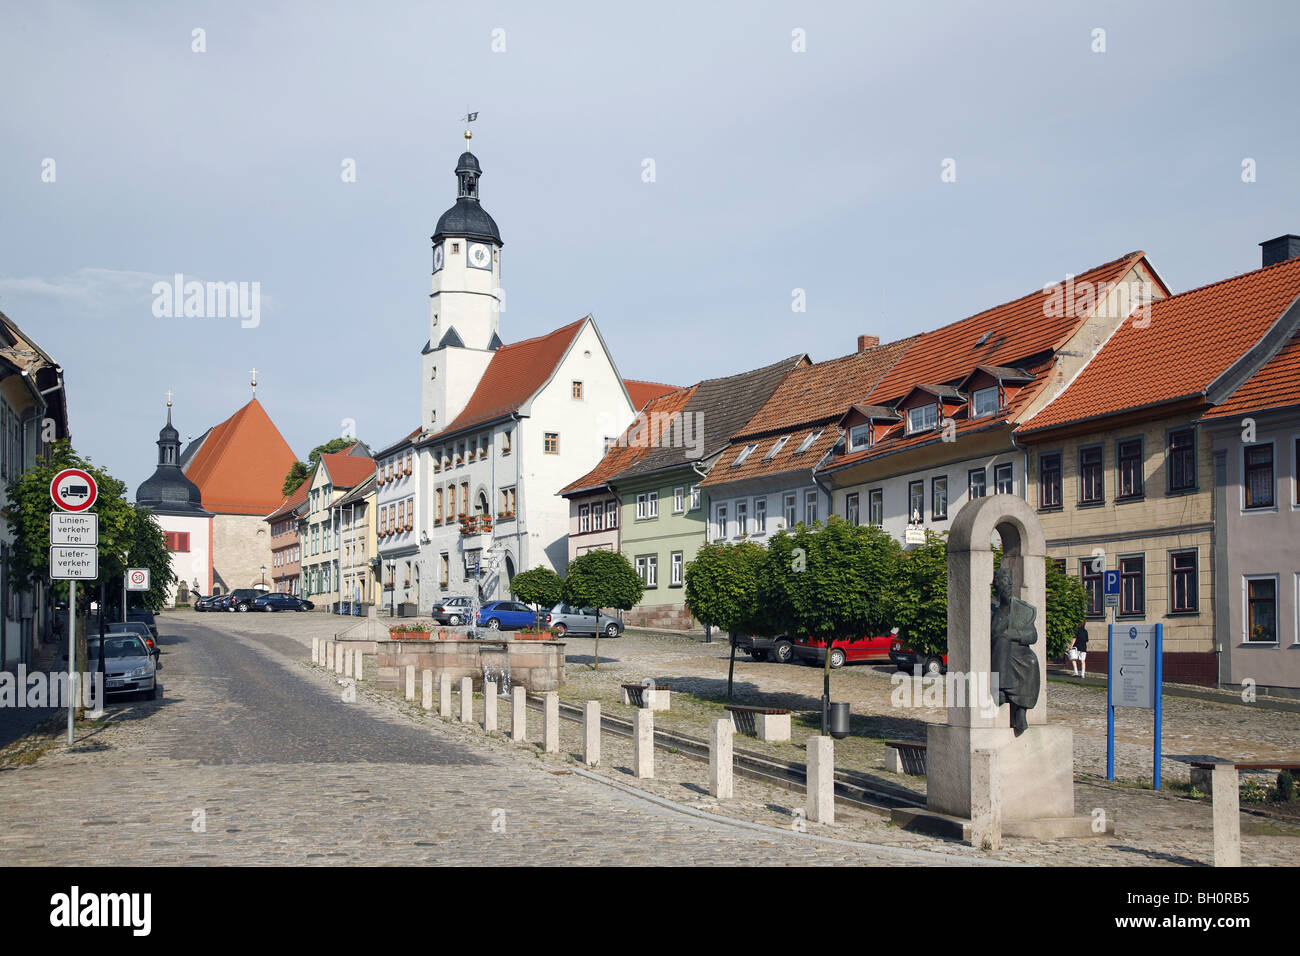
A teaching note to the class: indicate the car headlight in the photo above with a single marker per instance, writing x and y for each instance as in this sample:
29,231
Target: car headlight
140,672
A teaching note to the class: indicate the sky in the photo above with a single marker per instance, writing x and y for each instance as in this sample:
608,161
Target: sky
794,146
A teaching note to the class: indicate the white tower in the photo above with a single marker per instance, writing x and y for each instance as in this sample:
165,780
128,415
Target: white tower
465,302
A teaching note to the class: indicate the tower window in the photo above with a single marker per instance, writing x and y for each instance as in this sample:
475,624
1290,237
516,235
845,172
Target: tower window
551,443
577,390
455,247
433,373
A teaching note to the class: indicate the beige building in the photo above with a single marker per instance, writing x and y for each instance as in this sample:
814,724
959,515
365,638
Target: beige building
357,543
320,529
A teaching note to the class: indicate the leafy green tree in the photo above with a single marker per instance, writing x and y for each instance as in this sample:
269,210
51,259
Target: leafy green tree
538,587
601,579
834,581
921,597
298,473
299,470
722,591
1067,605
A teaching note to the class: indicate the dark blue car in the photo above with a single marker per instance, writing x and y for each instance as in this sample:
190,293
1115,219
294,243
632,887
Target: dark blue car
506,615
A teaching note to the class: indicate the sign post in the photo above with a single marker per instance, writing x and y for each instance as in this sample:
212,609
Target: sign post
74,555
1134,678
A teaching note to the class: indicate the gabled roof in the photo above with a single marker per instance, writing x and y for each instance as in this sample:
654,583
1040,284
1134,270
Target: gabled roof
1275,385
634,442
513,376
719,407
936,391
642,392
359,493
293,501
1190,341
400,443
240,464
874,413
346,471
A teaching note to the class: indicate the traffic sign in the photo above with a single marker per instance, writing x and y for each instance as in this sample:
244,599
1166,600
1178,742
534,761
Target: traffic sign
74,529
73,490
1112,600
1112,583
73,564
1134,666
137,579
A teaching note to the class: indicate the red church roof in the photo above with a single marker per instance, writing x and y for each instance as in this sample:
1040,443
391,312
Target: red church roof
642,392
240,464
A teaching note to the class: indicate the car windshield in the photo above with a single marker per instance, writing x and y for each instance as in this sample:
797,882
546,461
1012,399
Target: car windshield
126,645
129,628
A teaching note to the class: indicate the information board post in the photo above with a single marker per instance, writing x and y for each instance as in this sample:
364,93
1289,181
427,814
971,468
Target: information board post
1110,702
1160,699
1134,678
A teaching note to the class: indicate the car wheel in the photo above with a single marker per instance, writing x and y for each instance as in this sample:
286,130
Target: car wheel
933,667
493,624
560,630
454,620
242,608
782,652
611,630
837,658
758,655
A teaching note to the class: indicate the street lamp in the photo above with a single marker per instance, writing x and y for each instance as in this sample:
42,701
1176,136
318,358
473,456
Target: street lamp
264,577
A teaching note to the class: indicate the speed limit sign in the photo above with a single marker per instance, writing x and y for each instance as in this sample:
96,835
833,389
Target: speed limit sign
137,579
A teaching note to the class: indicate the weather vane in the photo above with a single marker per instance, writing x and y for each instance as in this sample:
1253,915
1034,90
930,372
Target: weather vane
467,119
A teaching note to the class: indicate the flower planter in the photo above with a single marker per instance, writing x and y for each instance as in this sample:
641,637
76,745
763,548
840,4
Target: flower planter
401,634
534,635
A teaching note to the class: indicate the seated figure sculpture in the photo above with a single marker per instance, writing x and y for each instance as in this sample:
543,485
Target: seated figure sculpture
1013,660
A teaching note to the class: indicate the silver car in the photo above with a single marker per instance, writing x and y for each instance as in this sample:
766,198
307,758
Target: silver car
566,619
129,668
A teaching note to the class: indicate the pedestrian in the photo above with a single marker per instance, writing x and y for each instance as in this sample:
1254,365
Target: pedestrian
1079,651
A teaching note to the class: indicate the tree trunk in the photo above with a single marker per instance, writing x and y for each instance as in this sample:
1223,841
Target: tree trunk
596,653
826,689
731,668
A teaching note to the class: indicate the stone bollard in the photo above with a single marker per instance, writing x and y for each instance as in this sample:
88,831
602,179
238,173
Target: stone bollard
426,690
444,696
358,656
720,763
347,661
315,650
551,723
490,706
1226,796
820,803
985,801
643,742
410,682
338,658
591,733
518,713
467,700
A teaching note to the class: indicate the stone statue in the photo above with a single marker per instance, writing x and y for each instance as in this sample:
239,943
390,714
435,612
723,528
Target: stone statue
1012,660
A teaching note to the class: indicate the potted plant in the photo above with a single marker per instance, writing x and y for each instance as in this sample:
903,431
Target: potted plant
410,632
534,634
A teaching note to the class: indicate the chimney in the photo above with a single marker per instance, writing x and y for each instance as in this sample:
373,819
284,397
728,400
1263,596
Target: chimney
1280,249
866,342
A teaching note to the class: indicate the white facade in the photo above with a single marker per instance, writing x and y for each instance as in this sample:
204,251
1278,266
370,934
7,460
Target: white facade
755,511
398,525
189,538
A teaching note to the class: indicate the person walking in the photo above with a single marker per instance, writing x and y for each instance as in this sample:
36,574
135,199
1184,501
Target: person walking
1079,651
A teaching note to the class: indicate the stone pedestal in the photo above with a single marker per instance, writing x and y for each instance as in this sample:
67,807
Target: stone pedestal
720,758
1036,770
444,695
518,713
410,682
1226,796
773,728
820,801
426,690
490,706
591,733
643,742
467,700
551,722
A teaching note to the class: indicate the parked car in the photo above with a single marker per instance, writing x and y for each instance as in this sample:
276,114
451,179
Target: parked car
129,667
221,602
905,659
567,619
779,649
452,611
867,650
277,601
134,627
241,599
505,615
204,603
144,616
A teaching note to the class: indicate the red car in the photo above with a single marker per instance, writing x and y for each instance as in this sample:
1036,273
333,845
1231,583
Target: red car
867,650
905,659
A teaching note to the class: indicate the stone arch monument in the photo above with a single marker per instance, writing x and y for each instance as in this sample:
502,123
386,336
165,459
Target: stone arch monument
977,764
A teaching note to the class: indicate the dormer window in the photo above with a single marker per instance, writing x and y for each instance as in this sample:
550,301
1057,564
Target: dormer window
859,437
985,401
922,418
745,453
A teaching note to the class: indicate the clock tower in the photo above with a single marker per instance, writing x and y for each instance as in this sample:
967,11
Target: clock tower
465,301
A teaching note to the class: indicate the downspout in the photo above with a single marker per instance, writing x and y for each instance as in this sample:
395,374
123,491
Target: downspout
695,466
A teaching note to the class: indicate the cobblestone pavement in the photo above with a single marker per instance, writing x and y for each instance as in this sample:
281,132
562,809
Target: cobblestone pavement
253,757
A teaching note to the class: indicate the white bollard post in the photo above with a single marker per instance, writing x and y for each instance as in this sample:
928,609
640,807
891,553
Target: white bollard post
467,700
643,742
985,801
410,682
820,802
490,705
1225,796
358,656
720,762
426,690
444,695
518,713
551,723
591,733
347,662
315,650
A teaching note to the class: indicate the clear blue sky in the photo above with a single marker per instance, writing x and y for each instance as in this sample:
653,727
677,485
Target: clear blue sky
775,170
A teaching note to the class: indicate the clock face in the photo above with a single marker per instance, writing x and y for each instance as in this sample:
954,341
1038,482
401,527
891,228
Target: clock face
437,257
480,256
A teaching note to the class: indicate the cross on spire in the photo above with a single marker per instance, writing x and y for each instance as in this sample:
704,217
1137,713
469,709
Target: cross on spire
253,372
169,398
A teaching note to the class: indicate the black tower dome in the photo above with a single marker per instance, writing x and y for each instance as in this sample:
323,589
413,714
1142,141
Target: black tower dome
467,219
168,491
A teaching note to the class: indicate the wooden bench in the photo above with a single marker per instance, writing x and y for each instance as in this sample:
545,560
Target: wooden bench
1203,770
636,695
766,723
905,756
1221,780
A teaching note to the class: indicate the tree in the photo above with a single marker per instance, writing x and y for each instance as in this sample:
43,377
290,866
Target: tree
1067,605
722,591
538,587
298,473
835,581
600,579
299,470
921,598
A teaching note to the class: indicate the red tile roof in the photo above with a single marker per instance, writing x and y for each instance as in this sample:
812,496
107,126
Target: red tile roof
1190,340
240,464
347,471
1275,385
514,375
629,450
294,500
642,392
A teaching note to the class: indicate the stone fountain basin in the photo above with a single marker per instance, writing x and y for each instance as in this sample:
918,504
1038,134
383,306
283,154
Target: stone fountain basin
536,665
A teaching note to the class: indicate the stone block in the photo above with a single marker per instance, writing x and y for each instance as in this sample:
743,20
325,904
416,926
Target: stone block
410,682
467,700
820,800
643,742
490,706
986,801
893,761
720,758
1036,770
518,713
444,695
551,723
591,733
657,698
1226,795
773,728
426,690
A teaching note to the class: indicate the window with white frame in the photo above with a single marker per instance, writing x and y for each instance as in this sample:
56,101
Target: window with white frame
652,505
810,508
642,507
859,437
720,522
611,514
760,516
679,500
985,401
742,517
744,453
584,519
922,417
695,497
789,504
676,568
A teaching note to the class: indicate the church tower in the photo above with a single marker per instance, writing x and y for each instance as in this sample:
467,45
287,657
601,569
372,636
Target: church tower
465,302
